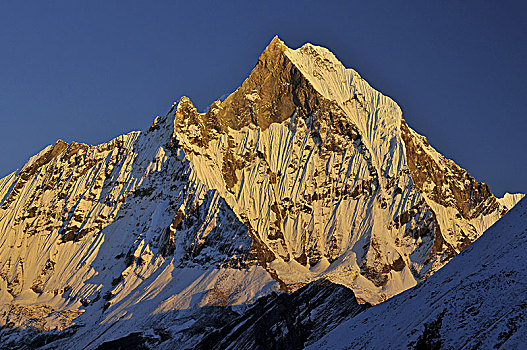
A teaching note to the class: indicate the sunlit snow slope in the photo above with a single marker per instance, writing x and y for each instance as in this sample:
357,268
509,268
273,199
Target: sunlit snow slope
304,172
477,301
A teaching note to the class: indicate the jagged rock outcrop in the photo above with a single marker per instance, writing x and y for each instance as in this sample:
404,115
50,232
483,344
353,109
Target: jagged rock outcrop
286,321
304,173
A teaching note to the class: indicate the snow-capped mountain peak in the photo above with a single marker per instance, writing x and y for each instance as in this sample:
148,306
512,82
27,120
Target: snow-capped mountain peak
305,173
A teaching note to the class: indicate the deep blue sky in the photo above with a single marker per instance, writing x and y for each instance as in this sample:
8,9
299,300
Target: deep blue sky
89,71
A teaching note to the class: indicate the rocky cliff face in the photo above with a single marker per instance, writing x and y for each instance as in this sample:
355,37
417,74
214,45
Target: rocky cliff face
304,173
286,321
475,302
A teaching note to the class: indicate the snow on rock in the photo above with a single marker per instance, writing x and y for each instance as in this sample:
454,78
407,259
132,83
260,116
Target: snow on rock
377,116
83,228
321,166
475,301
304,173
509,200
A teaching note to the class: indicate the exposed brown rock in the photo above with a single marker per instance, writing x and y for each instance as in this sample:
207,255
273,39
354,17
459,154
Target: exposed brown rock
470,201
31,170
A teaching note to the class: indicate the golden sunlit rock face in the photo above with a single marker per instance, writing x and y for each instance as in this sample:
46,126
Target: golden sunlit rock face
304,180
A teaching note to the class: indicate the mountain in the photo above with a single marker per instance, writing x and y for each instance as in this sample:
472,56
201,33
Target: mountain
305,173
477,301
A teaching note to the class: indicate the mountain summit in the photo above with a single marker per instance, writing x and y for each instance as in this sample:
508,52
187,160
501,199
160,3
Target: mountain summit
305,173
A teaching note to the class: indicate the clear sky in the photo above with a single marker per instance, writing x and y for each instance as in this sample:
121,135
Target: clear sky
88,71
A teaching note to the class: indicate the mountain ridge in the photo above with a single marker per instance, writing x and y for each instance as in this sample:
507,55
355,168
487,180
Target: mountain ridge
452,308
302,174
